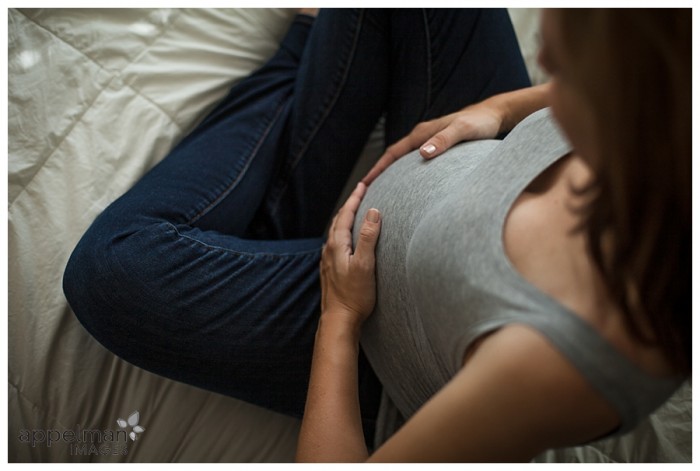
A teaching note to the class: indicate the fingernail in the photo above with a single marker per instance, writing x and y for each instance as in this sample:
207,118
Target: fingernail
373,215
429,149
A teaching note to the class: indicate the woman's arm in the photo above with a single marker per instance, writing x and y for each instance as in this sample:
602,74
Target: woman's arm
483,120
519,104
331,429
514,396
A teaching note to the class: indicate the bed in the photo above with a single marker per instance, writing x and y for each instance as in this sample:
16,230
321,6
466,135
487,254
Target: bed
96,98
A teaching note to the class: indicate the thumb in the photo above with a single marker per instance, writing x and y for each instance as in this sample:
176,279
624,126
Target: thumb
369,234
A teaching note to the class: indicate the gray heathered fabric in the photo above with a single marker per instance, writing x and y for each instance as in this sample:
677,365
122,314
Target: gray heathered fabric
443,278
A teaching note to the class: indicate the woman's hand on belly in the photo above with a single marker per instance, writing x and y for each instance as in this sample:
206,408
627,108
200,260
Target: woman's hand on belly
348,286
480,121
483,120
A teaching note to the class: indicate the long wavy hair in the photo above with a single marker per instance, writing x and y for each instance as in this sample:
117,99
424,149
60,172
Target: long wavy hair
634,66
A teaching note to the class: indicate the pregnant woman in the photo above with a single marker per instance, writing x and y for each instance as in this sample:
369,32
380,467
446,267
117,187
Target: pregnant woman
207,270
532,293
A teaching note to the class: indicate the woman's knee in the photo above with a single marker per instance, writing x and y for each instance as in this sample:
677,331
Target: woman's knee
80,275
94,289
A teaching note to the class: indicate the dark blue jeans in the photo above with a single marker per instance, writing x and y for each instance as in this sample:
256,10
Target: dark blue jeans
206,271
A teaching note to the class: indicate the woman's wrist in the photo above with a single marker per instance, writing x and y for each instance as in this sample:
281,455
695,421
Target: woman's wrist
341,323
513,107
331,429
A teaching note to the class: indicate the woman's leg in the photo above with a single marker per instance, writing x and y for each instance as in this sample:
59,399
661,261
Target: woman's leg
164,279
446,59
174,277
339,95
412,64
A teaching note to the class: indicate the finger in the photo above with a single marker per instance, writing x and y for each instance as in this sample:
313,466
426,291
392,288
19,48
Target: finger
369,234
355,198
443,140
346,216
331,229
407,144
382,164
403,146
352,203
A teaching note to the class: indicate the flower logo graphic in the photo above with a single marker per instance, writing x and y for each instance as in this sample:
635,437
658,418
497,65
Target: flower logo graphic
133,422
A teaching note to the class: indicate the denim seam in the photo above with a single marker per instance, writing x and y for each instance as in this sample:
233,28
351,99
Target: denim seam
428,63
295,159
299,21
110,263
226,191
236,252
144,294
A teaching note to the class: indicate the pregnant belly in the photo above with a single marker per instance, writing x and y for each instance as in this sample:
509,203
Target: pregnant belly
393,337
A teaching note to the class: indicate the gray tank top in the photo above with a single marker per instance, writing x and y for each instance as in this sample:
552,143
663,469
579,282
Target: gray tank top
443,277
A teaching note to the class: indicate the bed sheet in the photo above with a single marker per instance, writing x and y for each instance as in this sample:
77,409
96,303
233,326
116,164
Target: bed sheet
96,98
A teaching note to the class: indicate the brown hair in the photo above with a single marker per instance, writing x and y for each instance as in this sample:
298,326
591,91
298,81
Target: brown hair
634,66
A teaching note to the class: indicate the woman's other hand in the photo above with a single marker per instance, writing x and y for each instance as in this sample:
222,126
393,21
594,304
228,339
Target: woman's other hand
483,120
480,121
348,287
